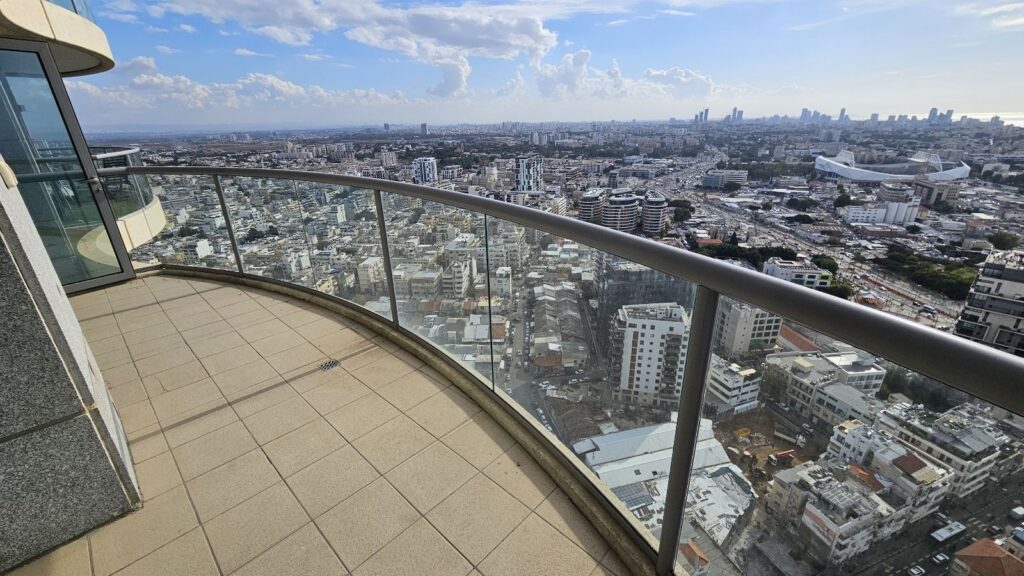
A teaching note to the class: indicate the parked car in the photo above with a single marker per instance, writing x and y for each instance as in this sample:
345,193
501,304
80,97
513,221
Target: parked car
994,530
940,559
915,571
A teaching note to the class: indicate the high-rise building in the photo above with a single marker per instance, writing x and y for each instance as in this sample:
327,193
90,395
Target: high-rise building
387,127
592,205
933,115
424,170
994,311
739,115
719,178
529,173
423,129
654,214
842,115
621,210
741,327
733,116
648,352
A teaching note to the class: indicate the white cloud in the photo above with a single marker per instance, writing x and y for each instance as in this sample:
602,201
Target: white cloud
675,12
515,85
188,28
156,29
137,65
1001,15
314,56
166,49
120,16
247,52
618,22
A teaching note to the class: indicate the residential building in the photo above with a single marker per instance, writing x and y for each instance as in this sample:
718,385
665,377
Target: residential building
621,210
649,349
985,558
371,274
424,170
803,272
719,178
654,214
741,327
733,388
964,438
591,205
837,403
529,173
994,311
801,378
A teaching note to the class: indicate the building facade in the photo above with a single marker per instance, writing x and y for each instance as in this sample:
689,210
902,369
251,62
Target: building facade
649,349
994,311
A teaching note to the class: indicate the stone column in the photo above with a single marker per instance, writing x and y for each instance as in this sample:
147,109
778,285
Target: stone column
64,462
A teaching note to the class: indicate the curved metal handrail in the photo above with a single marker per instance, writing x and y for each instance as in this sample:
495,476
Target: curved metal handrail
973,368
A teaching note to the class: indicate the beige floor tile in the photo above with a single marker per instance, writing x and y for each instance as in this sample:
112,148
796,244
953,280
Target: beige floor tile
278,343
254,526
300,318
175,355
142,322
520,476
360,416
207,331
120,375
206,347
409,358
210,451
137,313
128,393
300,448
342,388
325,483
430,476
113,359
174,378
83,312
479,440
230,359
392,443
238,308
411,389
201,307
231,484
196,320
304,553
102,345
150,332
185,399
146,443
261,396
124,541
184,302
535,548
613,565
305,378
137,416
188,554
200,421
420,550
361,525
280,419
157,475
262,330
250,318
561,513
296,357
203,286
71,559
477,517
383,371
245,377
442,413
318,328
360,355
140,350
335,342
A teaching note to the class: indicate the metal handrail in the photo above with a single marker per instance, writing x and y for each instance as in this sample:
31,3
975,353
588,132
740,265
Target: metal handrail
979,370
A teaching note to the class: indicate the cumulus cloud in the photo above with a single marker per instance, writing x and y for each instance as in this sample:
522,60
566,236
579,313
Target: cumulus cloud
247,52
187,28
165,49
137,65
1002,15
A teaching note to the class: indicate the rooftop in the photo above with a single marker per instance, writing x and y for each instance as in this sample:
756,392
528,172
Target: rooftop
272,436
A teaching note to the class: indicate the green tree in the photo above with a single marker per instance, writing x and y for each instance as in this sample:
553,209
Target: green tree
802,219
913,229
731,186
681,215
842,200
826,262
1004,240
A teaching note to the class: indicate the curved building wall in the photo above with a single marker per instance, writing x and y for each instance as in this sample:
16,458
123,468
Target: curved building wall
830,169
78,45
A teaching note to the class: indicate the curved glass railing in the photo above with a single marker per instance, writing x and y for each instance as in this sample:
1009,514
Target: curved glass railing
80,7
733,422
125,193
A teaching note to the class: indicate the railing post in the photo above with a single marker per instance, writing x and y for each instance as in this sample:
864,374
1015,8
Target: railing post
490,316
698,355
387,255
227,222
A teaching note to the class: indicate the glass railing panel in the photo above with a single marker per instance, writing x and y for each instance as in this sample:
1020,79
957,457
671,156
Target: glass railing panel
188,230
593,348
818,458
320,236
439,266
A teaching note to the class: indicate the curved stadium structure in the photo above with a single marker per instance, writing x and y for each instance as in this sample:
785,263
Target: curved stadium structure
843,166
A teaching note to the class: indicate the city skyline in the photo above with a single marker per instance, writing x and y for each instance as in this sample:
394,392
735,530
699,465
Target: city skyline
185,63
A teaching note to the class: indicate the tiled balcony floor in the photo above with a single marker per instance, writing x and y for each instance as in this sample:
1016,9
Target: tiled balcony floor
253,460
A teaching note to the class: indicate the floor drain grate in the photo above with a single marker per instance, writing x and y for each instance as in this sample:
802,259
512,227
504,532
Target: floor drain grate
329,364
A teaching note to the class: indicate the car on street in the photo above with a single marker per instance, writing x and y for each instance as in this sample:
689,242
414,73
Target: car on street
994,530
915,571
940,559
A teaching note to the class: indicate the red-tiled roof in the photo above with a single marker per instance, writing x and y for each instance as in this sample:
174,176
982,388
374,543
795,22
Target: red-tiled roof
866,476
909,463
986,558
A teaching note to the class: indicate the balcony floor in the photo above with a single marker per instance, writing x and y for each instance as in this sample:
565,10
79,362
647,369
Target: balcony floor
253,460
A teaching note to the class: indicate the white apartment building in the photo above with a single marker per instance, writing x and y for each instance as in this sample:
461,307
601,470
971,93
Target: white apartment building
387,158
804,375
803,272
896,204
592,205
994,311
529,173
654,214
719,178
621,210
733,386
371,274
648,351
964,438
740,327
424,170
451,172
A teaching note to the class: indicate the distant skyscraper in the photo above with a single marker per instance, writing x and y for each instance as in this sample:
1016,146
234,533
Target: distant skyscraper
739,115
733,117
424,170
423,129
707,115
933,114
387,127
842,114
874,118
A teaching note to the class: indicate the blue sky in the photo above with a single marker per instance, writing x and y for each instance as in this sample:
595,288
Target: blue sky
280,63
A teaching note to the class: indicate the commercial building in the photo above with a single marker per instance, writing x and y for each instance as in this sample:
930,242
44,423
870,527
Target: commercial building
933,192
741,327
994,311
648,352
803,272
655,212
964,438
719,178
591,206
621,210
424,170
